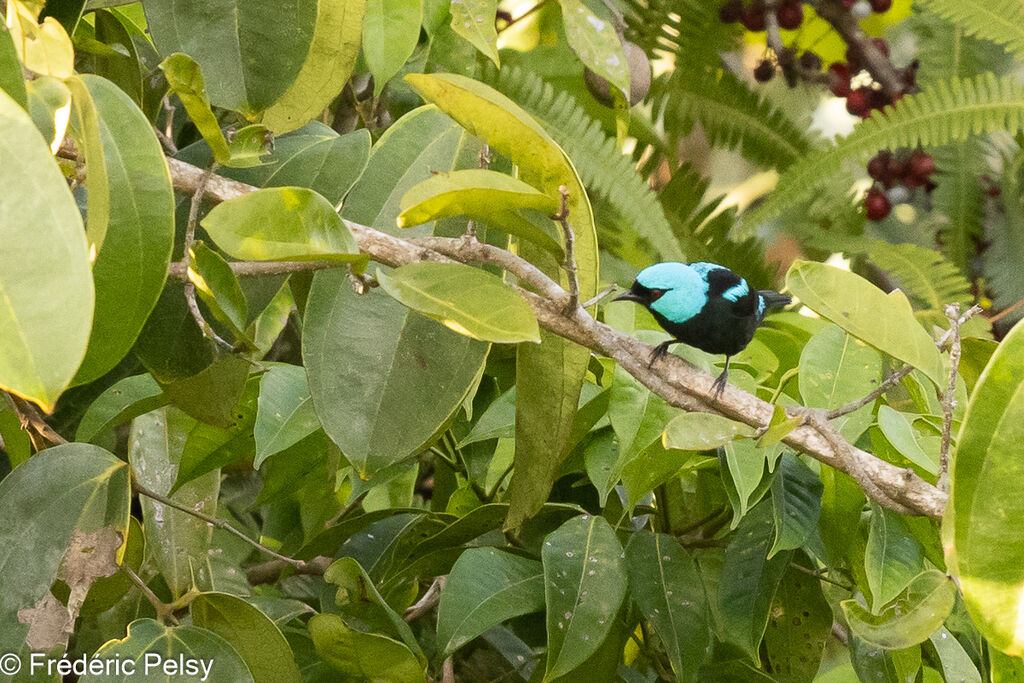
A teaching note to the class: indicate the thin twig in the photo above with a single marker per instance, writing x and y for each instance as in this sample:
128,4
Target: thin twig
190,237
949,397
818,574
427,602
1005,312
607,291
569,262
166,141
163,610
853,406
270,571
33,423
874,60
448,671
219,523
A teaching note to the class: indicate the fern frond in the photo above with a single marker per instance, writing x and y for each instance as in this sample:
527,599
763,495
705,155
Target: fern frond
961,199
924,275
1001,21
688,29
1002,260
604,169
730,113
945,51
705,234
949,111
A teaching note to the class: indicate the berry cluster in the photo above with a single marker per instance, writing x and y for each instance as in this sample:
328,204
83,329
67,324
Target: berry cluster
789,13
861,101
895,178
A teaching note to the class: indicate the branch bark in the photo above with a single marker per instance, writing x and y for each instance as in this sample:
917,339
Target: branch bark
674,380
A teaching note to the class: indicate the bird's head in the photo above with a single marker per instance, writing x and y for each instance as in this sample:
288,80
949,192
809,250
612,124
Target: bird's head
677,291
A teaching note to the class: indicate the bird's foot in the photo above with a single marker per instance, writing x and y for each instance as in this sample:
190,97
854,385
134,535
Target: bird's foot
660,351
719,385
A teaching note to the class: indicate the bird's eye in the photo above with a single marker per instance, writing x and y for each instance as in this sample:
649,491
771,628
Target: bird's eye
656,294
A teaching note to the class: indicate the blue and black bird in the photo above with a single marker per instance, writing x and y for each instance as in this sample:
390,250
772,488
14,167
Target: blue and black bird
704,305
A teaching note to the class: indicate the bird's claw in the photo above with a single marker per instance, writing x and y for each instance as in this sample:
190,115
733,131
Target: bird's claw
719,385
660,351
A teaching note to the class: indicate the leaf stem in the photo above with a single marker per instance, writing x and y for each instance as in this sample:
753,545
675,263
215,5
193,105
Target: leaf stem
949,397
569,260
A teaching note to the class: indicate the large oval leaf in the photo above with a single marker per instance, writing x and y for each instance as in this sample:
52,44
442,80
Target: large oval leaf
327,66
464,299
131,217
45,279
198,646
67,490
281,223
383,379
229,39
885,321
702,431
584,586
285,414
486,587
918,613
362,656
667,587
391,29
257,639
178,541
981,528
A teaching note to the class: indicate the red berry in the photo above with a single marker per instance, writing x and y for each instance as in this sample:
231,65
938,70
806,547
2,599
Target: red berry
876,205
731,12
753,17
839,75
858,102
922,165
848,3
882,46
878,167
764,71
790,15
879,99
881,6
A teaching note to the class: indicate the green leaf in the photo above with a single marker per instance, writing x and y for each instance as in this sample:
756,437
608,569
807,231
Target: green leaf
391,30
171,346
366,356
595,40
12,80
1001,21
796,504
900,433
363,657
702,432
984,499
124,401
218,288
957,664
256,639
480,194
749,579
885,321
187,644
668,590
486,587
474,21
917,613
186,81
17,443
747,476
327,66
285,414
892,558
584,585
231,41
178,541
497,422
314,156
281,224
43,47
835,369
44,266
49,102
799,626
130,217
549,376
466,300
63,492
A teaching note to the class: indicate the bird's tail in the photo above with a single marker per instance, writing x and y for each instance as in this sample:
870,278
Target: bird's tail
774,299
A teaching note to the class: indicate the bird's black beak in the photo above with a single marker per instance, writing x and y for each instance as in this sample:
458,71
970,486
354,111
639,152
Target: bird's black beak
629,296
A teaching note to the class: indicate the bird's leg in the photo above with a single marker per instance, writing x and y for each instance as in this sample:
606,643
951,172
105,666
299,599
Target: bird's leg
719,385
660,350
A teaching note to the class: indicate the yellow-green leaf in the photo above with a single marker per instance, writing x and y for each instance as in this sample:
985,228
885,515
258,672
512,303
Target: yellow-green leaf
43,48
474,21
885,321
702,431
464,299
281,224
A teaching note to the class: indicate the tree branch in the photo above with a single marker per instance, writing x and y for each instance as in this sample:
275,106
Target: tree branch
674,380
874,60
